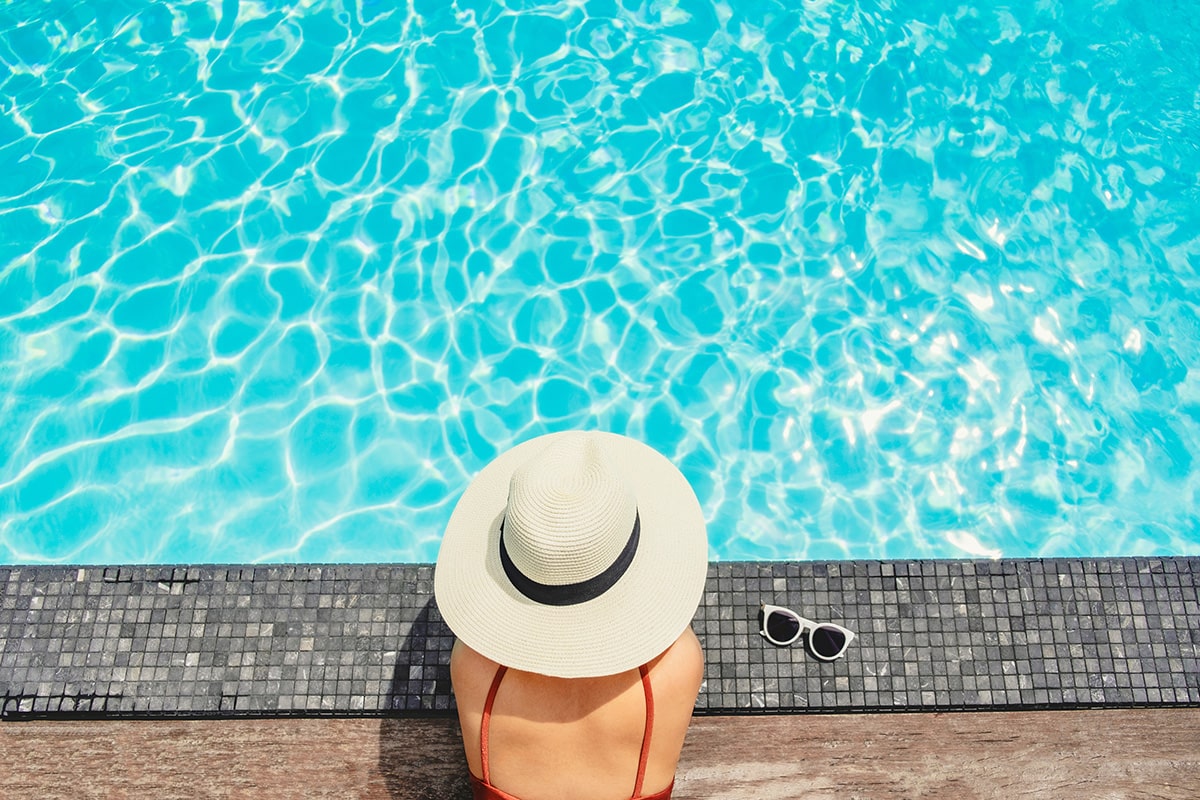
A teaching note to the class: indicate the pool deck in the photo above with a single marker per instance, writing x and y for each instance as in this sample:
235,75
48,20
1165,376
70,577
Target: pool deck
957,756
367,640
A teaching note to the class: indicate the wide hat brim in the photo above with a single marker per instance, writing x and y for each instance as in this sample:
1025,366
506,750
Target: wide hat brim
625,627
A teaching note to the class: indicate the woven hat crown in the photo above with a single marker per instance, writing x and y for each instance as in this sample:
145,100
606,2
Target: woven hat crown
569,513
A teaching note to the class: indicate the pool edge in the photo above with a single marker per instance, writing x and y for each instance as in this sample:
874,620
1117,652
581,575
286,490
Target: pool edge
216,641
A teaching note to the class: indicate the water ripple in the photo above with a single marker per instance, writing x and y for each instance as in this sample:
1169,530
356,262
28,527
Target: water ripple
277,279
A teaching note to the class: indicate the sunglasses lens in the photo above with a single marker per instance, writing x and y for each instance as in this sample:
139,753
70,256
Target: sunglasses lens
826,641
782,627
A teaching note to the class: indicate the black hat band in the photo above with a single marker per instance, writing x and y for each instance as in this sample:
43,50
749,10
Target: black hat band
569,594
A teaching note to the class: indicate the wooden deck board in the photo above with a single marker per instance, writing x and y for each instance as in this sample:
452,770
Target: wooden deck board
1064,754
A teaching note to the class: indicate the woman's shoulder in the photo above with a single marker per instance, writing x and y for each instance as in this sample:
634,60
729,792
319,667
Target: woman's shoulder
675,675
465,656
471,672
680,668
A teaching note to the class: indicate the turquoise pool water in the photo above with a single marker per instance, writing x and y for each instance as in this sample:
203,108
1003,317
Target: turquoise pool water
887,280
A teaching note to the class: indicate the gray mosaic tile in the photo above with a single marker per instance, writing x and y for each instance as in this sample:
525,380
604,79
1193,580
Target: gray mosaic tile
215,641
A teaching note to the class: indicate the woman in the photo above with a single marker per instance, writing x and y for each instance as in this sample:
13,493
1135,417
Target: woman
569,572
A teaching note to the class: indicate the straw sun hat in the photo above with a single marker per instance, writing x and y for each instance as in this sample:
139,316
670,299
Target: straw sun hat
575,555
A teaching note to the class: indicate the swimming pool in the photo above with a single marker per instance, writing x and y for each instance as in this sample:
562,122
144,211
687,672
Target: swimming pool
887,281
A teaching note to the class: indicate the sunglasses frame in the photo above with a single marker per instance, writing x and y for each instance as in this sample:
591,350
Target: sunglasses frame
806,626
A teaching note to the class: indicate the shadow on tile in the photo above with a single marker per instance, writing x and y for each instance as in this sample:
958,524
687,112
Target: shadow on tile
421,753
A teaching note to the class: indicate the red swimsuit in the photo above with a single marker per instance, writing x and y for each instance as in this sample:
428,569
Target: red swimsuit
483,789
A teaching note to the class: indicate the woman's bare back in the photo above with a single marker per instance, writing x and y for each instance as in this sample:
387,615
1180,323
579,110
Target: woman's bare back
577,737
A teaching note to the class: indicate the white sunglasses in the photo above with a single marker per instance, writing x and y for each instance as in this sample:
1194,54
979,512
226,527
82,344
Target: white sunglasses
782,627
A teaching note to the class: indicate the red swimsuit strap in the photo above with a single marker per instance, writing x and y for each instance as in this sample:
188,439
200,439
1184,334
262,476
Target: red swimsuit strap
645,756
486,724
